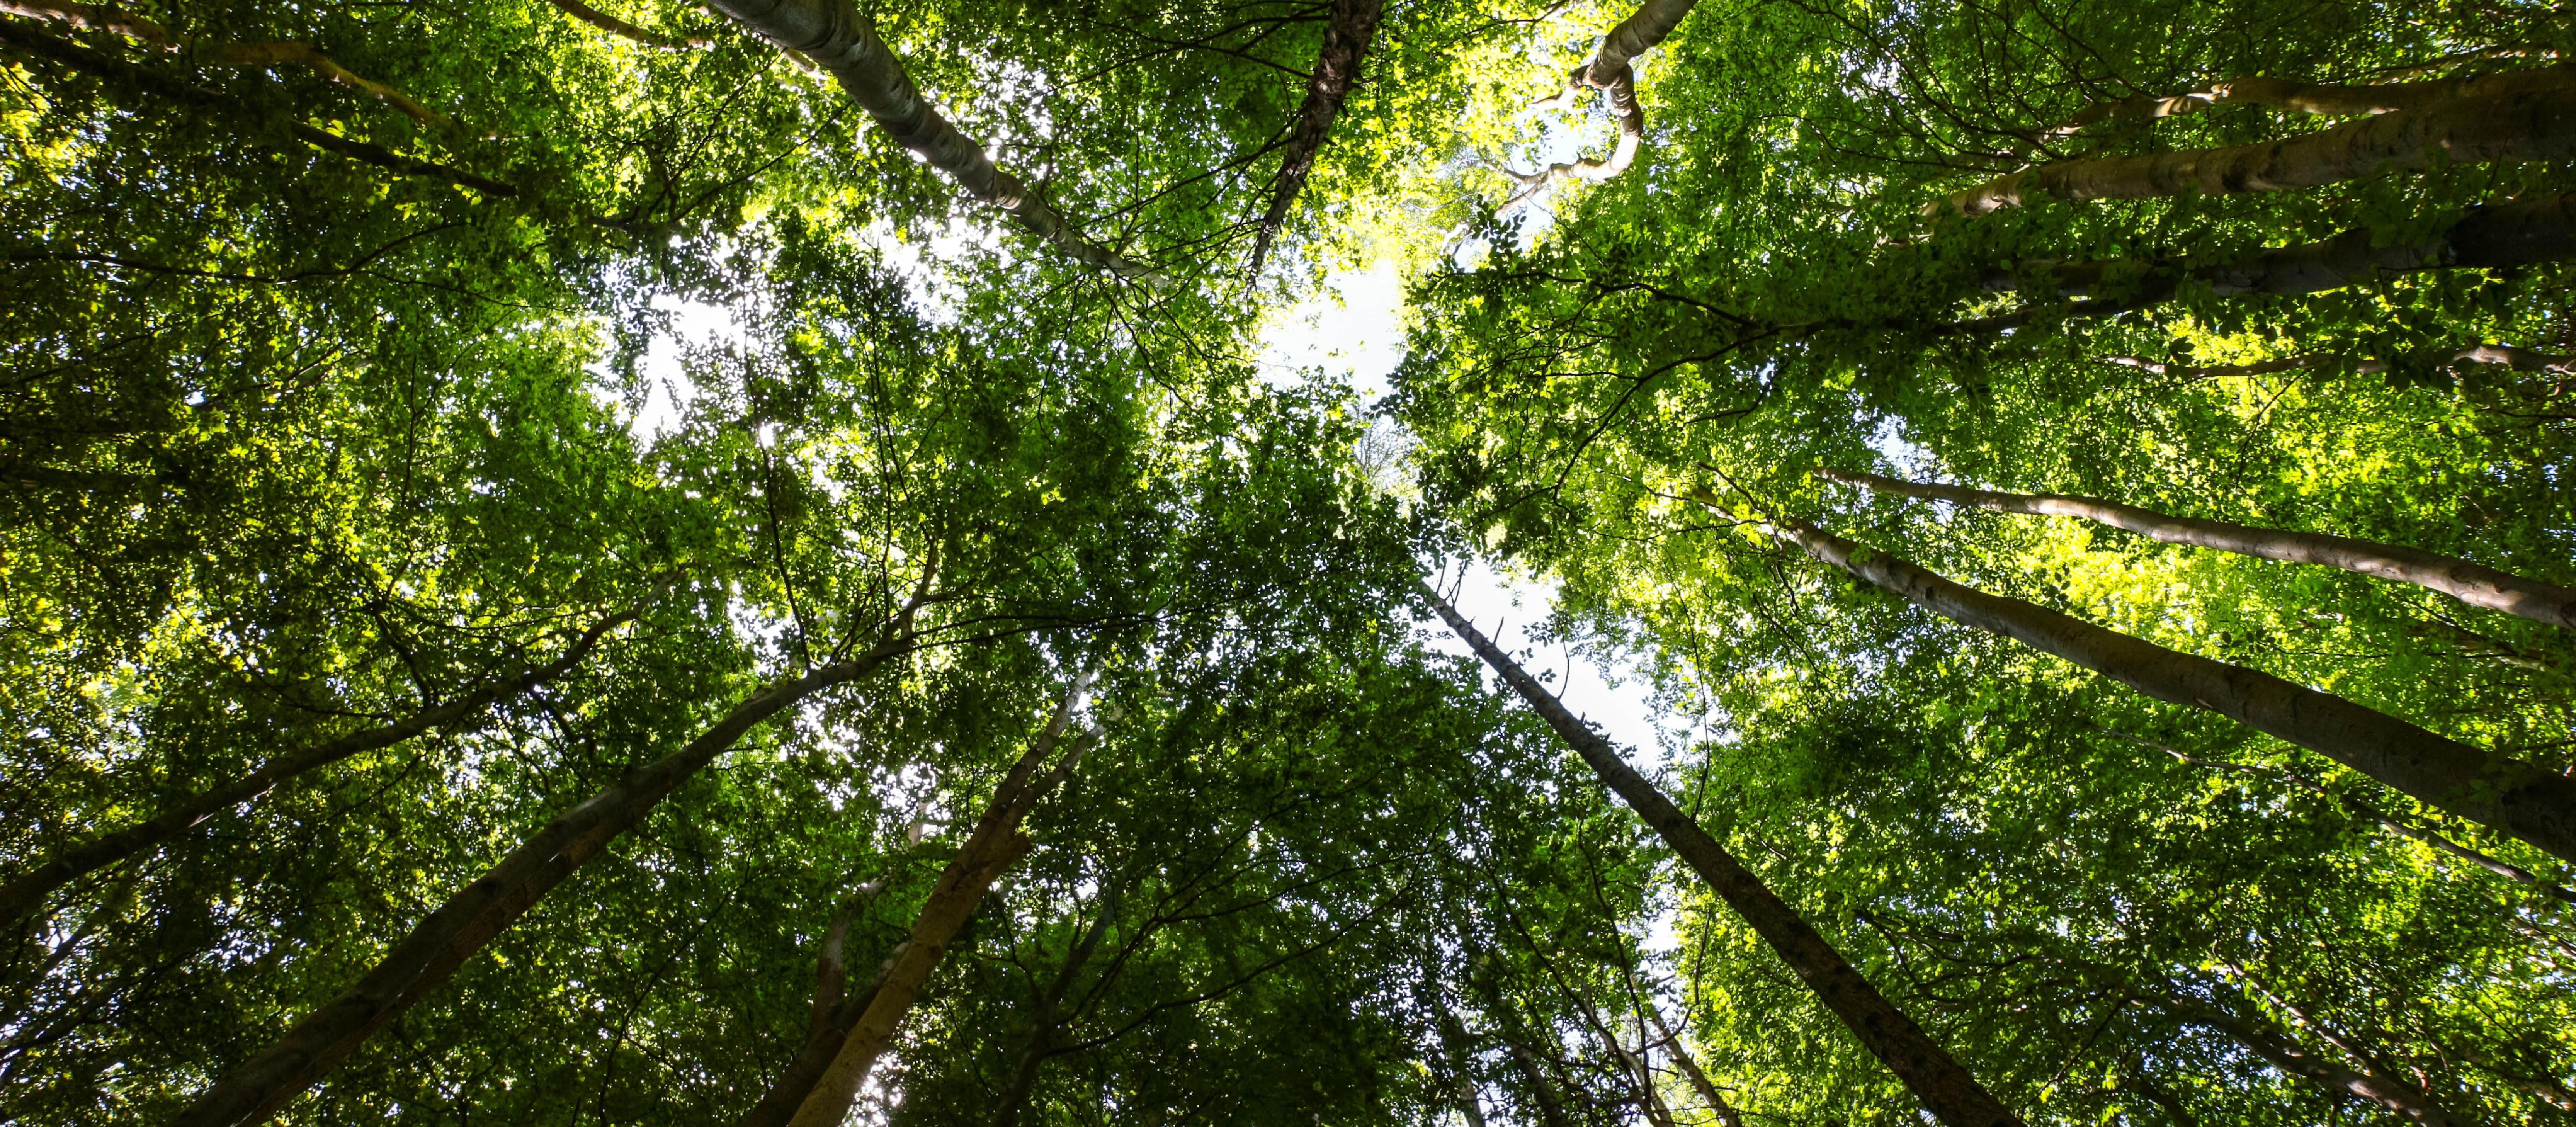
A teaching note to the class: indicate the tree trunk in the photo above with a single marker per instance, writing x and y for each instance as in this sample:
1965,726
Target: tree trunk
995,845
843,41
2474,584
834,1013
2518,359
2527,802
1024,1073
2534,121
1699,1080
1640,32
1462,1084
2519,233
1632,133
1337,68
109,19
614,26
23,893
1945,1088
2329,99
255,1089
2407,1101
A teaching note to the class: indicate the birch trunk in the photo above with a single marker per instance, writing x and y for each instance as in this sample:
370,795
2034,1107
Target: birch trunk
843,41
106,18
1939,1081
2471,583
1337,68
2536,121
994,845
255,1089
2515,798
2322,98
23,893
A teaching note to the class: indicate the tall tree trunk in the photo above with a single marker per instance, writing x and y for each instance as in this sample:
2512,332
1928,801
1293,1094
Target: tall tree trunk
614,26
1453,1042
2523,232
1337,68
117,21
843,41
994,845
1707,1089
255,1089
1945,1088
835,1010
1639,33
2527,802
23,892
2408,1102
2471,583
2323,98
2518,359
1024,1072
2535,121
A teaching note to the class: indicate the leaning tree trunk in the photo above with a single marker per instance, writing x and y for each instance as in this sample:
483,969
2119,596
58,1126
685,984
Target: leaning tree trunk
835,1010
1639,33
1707,1089
2407,1101
2525,232
25,891
1337,68
108,18
2471,583
2322,98
995,845
843,41
255,1089
2518,359
1928,1070
2536,121
1050,1004
2528,802
1612,69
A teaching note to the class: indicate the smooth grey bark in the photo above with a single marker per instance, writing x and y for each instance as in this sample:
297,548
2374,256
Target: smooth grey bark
1612,70
1639,33
2322,98
2472,583
843,41
2531,120
25,891
256,1089
994,845
1337,68
108,18
2522,232
835,1010
622,29
1928,1070
2525,801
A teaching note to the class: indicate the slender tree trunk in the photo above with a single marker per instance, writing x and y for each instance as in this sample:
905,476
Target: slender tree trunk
2330,99
2407,1101
2471,583
843,41
1612,70
2519,359
1337,68
614,26
2519,233
2536,121
1945,1088
1462,1084
994,845
1707,1089
23,893
1551,1110
2527,802
109,19
1639,33
1024,1073
255,1089
834,1012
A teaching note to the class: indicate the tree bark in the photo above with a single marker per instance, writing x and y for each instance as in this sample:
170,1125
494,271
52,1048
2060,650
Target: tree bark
1337,69
2498,236
1024,1073
1639,33
614,26
2471,583
2518,359
255,1089
2528,802
1707,1089
2407,1101
2328,99
23,893
103,18
994,845
1632,132
834,1012
2535,121
843,41
1938,1080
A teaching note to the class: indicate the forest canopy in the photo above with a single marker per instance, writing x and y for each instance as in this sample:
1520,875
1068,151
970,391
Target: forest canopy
2084,489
